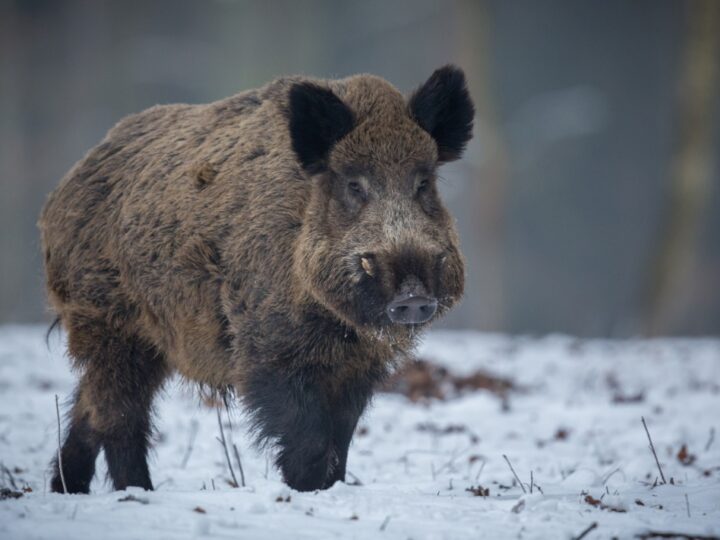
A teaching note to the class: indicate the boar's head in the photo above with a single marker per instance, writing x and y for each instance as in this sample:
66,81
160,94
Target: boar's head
378,247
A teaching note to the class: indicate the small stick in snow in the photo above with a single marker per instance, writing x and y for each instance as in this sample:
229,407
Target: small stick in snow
590,527
222,441
612,473
239,464
193,433
59,451
711,439
385,523
532,481
514,473
482,467
356,480
687,505
652,447
672,534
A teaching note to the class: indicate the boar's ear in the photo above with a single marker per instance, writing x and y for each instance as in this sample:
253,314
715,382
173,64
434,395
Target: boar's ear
318,119
442,106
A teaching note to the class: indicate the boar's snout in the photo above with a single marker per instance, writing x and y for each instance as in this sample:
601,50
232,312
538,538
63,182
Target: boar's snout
412,304
406,309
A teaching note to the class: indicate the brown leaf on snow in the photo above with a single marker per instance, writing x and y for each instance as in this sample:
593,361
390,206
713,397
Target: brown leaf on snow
417,380
199,510
685,457
479,491
519,507
484,381
422,380
597,503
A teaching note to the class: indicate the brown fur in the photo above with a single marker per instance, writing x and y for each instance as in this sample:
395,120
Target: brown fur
192,240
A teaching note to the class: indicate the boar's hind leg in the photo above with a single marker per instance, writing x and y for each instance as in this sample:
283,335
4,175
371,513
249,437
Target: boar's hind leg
114,399
79,453
312,430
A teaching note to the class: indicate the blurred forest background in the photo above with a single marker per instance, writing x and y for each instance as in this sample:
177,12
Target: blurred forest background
588,202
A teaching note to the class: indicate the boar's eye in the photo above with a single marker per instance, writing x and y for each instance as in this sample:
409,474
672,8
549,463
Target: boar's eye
422,186
356,189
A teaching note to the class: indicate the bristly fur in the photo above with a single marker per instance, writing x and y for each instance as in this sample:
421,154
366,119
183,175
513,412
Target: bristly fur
442,106
226,242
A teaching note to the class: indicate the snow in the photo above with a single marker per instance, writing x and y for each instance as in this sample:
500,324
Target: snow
575,422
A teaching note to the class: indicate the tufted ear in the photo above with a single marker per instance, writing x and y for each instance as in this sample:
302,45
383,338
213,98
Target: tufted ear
442,106
318,119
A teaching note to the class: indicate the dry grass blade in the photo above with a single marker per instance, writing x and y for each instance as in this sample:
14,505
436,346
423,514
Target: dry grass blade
652,447
587,531
223,442
59,449
239,464
193,433
514,473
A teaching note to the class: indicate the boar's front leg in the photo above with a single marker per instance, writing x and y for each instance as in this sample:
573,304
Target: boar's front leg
310,419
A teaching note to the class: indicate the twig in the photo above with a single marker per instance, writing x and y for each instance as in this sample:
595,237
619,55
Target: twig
532,481
652,447
589,528
385,523
687,505
357,481
59,450
224,445
191,443
711,439
482,467
514,473
239,464
10,476
672,534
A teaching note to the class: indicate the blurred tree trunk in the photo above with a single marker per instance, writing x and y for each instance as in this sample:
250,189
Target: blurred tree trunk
487,170
691,184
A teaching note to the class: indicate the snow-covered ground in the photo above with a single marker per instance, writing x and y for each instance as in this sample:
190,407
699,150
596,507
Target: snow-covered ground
574,422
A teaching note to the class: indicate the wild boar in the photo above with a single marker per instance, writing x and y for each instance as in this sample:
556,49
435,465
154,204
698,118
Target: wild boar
285,244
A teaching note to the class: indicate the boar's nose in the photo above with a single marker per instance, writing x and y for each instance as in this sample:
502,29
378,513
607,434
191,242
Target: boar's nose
409,309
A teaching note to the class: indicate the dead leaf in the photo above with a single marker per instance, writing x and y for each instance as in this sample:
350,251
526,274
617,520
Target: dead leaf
479,491
685,457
